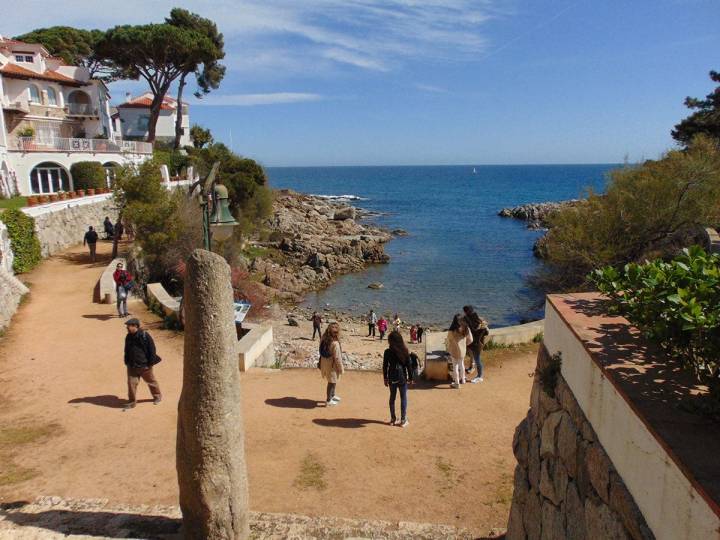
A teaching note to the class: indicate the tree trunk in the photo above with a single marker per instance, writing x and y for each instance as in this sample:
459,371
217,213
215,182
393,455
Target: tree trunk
179,112
154,115
210,453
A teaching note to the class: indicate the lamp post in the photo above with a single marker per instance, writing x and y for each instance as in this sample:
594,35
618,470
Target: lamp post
218,222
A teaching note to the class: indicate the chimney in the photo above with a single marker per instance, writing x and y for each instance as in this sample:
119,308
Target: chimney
128,97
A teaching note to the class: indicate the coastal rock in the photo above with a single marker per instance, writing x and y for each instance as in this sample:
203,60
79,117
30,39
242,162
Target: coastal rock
344,213
536,214
400,232
376,285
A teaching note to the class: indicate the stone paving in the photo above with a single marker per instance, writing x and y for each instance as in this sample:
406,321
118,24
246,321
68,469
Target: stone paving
50,518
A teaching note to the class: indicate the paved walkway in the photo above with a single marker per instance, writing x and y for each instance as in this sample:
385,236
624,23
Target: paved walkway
62,377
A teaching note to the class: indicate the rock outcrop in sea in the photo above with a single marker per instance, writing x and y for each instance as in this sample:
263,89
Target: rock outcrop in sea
312,241
536,214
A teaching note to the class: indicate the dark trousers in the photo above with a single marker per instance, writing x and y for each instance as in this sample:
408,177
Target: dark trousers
382,334
394,387
91,247
371,329
419,337
331,390
316,328
133,377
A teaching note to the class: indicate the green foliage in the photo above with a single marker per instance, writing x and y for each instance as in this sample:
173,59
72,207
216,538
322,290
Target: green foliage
23,241
175,160
549,374
75,46
27,131
648,211
88,174
537,338
200,136
13,202
676,304
705,119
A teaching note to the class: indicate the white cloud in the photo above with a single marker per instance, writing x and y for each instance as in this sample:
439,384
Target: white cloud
367,34
250,100
431,88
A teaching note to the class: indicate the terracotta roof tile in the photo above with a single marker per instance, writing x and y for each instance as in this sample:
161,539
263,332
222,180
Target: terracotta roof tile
144,102
19,72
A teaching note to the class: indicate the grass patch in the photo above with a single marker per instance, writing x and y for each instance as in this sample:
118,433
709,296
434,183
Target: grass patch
538,338
13,203
13,437
10,473
312,474
449,478
253,252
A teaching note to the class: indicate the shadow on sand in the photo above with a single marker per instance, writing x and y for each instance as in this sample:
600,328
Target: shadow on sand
346,422
293,403
113,402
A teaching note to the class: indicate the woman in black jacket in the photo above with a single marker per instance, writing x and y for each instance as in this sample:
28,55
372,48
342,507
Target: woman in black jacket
397,372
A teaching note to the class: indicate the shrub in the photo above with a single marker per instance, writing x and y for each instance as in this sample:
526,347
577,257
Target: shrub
88,175
23,240
676,305
548,374
649,211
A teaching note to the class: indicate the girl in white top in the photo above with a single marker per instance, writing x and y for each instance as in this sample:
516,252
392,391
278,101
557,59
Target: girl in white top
458,338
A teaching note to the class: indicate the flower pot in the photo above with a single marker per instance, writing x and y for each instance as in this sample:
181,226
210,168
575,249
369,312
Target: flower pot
80,192
54,197
32,201
91,191
43,199
62,196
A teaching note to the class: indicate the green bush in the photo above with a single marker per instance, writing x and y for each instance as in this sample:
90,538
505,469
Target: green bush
23,241
676,305
88,175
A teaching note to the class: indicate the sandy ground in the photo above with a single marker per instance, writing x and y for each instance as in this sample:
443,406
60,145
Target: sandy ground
62,379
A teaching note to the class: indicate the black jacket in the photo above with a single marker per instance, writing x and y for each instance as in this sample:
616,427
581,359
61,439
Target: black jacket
394,370
139,350
478,331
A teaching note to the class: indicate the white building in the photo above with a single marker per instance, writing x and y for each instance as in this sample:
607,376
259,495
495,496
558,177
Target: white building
53,115
133,117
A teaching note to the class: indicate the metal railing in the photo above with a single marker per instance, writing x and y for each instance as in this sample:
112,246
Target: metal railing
59,144
82,109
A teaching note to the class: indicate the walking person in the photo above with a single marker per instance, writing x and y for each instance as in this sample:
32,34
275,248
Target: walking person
317,324
413,334
109,228
479,330
372,320
420,332
457,341
382,326
140,357
123,285
119,229
90,239
397,374
331,363
397,323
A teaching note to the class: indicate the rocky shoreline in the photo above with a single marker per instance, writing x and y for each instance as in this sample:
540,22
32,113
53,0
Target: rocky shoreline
536,214
312,241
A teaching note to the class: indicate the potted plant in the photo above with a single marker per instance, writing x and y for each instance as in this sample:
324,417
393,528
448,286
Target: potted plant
43,199
61,195
53,197
91,191
32,201
80,192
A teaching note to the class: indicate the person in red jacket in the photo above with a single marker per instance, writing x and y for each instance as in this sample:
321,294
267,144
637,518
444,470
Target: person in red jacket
123,286
382,326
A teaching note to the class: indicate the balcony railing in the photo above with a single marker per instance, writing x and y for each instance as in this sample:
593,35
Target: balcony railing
81,109
32,144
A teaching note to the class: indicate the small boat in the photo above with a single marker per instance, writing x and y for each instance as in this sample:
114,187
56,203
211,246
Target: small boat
241,310
474,170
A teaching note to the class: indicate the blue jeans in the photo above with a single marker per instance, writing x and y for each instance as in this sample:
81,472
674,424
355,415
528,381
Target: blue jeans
394,387
478,363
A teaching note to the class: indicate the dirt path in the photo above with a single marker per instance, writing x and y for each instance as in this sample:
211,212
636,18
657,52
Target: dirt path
62,382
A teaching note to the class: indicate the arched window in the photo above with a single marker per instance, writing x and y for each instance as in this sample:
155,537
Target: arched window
110,170
52,96
49,177
34,94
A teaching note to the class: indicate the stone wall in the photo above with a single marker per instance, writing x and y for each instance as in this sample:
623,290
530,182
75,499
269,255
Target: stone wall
11,291
62,225
565,485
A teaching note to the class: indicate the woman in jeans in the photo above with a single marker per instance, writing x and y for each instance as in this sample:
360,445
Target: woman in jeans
331,365
457,341
397,373
122,278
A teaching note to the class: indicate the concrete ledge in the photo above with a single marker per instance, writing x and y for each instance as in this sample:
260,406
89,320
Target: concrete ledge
106,285
515,335
256,347
159,299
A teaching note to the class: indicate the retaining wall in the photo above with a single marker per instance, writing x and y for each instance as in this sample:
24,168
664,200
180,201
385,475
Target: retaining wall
256,347
63,224
11,291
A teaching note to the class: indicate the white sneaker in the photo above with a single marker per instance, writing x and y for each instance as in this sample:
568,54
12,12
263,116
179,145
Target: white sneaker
404,423
480,379
454,385
477,380
336,398
331,403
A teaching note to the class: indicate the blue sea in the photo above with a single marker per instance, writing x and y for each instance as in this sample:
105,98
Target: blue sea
459,251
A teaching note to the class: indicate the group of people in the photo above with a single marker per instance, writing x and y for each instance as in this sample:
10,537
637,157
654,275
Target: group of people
399,370
468,333
381,324
112,231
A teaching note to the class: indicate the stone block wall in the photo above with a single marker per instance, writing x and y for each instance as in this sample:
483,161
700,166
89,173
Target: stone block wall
565,485
61,228
11,291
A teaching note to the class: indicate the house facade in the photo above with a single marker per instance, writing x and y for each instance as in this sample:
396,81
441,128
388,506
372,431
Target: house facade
133,116
53,115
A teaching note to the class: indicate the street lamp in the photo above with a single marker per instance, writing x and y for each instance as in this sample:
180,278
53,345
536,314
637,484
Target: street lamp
218,222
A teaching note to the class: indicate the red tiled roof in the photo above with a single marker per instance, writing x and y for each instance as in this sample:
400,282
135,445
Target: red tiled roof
8,41
144,102
19,72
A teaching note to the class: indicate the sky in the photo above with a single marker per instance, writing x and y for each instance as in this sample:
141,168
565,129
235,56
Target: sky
393,82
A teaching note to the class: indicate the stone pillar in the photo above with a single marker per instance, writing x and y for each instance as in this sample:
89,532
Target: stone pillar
210,453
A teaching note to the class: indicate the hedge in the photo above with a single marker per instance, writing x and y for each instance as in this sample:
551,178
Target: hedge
88,175
23,240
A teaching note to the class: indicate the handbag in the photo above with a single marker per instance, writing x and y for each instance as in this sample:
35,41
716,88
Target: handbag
129,286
